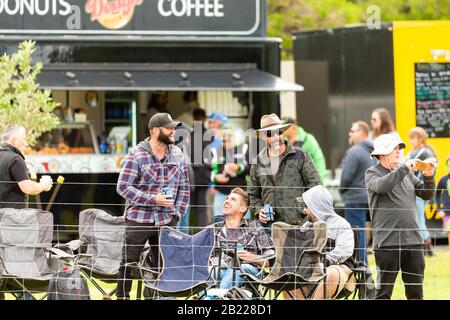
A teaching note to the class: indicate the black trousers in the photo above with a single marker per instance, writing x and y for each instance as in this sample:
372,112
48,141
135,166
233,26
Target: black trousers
198,203
390,261
136,235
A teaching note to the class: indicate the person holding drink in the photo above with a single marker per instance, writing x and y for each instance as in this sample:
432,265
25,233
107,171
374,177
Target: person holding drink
280,174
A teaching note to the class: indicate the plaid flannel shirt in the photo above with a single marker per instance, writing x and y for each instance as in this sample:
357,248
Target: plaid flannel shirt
251,235
142,176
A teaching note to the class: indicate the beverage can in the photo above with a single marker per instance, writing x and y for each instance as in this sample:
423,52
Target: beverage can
167,191
239,247
268,211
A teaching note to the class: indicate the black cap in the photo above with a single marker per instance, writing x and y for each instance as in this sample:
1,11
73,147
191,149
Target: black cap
162,120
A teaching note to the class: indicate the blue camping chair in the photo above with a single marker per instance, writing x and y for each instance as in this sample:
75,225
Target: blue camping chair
185,264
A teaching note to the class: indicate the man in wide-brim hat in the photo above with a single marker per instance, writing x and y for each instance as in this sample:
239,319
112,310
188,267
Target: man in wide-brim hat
280,174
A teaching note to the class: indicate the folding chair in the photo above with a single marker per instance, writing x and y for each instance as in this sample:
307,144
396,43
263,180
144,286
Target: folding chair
27,259
298,261
100,247
185,268
365,287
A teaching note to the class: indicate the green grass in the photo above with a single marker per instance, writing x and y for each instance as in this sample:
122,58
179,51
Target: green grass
437,276
436,285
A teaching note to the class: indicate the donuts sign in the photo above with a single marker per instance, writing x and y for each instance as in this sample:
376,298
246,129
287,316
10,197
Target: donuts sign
134,17
112,14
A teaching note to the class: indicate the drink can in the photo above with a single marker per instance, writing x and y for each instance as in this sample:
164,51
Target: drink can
268,211
239,247
167,191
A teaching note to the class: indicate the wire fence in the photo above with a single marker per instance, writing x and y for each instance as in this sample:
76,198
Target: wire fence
20,246
97,251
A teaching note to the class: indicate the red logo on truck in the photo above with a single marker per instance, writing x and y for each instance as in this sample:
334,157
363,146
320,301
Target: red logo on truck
112,14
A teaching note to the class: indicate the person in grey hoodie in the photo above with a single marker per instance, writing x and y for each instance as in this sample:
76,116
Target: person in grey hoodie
317,204
392,188
352,187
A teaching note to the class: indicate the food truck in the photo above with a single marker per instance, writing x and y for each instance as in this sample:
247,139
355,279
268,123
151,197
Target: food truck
347,72
104,60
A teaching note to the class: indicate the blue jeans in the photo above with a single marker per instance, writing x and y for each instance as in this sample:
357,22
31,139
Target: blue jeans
219,199
183,225
421,205
226,275
355,214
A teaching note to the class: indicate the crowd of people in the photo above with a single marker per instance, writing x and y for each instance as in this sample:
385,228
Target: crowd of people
166,182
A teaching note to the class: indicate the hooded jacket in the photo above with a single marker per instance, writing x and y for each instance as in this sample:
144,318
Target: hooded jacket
354,166
339,231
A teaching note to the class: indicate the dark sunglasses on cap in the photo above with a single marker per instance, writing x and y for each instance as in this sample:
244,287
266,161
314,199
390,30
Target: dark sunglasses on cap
270,134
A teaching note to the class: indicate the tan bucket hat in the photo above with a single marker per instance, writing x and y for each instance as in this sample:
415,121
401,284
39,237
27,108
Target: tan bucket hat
270,122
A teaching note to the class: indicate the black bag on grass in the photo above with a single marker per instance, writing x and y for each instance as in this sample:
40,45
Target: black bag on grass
68,284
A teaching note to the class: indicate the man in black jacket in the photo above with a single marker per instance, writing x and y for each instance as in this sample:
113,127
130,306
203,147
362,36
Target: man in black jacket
201,165
15,184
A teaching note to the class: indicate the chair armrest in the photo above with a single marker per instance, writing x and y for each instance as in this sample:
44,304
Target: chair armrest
60,254
72,245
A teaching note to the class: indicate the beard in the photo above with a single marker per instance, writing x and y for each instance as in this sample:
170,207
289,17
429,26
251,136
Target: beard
276,145
165,138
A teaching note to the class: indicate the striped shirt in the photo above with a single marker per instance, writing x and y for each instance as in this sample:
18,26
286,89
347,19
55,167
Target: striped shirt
142,177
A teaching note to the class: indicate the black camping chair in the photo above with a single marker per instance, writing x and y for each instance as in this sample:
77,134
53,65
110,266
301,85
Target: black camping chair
365,286
298,262
27,258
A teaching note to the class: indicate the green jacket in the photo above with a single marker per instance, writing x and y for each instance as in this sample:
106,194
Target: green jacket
295,175
307,142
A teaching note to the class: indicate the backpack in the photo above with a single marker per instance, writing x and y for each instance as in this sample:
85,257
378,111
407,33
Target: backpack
68,284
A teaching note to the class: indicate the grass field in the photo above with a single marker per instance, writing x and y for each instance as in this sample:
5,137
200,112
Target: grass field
436,286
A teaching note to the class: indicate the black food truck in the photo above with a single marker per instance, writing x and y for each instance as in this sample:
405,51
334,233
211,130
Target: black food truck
105,59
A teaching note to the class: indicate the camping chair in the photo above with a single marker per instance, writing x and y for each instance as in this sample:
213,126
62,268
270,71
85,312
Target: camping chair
27,259
185,268
365,287
226,257
298,261
100,247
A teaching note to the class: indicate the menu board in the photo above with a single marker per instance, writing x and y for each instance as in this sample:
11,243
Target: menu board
433,98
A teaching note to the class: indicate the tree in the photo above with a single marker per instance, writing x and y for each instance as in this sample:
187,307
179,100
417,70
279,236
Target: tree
21,102
286,17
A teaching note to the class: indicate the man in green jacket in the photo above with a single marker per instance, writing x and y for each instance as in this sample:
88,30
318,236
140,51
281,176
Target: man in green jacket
298,137
279,175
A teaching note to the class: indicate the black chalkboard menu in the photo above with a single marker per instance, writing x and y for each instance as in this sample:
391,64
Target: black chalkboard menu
433,98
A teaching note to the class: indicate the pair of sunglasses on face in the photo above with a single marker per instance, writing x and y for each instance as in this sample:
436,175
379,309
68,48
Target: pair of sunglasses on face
270,134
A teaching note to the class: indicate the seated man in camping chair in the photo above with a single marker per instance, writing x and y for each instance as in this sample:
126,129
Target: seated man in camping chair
242,245
317,204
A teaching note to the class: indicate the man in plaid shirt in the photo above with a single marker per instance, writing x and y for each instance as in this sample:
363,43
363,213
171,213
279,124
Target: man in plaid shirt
254,246
154,164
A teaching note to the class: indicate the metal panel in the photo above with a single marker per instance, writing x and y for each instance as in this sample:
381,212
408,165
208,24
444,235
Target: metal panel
174,77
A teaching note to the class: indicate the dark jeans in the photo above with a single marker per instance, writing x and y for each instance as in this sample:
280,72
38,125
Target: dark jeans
410,261
198,203
355,214
136,235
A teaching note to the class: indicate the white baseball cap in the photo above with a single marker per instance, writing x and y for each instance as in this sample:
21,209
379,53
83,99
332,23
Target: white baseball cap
384,144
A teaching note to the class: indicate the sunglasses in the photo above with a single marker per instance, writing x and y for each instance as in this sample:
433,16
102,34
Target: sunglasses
270,134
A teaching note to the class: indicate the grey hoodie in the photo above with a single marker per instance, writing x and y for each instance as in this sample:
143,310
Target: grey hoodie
354,165
320,202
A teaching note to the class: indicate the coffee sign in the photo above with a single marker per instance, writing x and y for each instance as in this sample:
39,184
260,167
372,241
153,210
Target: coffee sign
151,17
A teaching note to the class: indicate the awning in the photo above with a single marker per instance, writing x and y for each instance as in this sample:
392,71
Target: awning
168,77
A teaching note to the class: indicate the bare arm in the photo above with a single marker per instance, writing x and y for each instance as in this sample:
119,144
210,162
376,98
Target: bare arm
33,188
